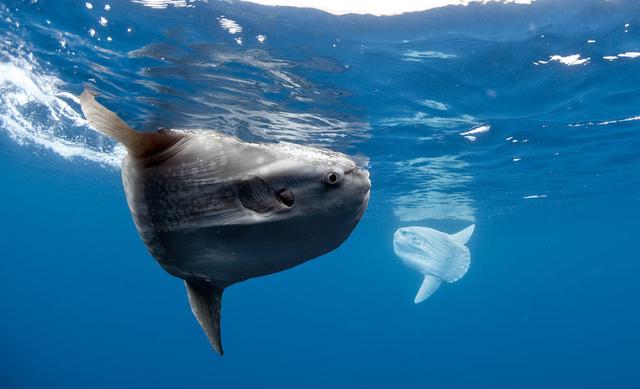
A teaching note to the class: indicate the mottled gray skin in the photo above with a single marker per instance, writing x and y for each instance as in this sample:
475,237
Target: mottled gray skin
189,210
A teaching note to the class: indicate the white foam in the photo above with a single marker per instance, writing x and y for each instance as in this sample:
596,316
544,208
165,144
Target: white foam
231,26
420,56
424,119
33,112
629,54
542,196
629,119
435,105
569,60
477,130
162,4
377,7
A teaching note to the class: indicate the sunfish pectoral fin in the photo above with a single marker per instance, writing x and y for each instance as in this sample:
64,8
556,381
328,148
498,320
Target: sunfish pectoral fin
107,122
429,285
206,300
256,194
463,236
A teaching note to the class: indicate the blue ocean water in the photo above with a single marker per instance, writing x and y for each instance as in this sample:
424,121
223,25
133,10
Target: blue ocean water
522,119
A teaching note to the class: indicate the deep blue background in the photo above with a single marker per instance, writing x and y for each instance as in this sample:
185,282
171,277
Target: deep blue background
550,300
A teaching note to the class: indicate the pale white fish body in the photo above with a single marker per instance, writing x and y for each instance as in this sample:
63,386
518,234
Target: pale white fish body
439,256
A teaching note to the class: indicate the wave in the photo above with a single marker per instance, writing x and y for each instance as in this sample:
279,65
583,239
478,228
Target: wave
229,89
377,8
34,112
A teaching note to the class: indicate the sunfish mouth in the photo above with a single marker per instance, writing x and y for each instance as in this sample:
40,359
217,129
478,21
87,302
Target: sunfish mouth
365,186
364,172
361,172
364,175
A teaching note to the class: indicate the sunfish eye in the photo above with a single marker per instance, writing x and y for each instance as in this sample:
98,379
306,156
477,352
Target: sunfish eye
286,196
332,178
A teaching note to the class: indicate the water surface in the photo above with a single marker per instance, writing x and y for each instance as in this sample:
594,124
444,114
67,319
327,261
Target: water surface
522,119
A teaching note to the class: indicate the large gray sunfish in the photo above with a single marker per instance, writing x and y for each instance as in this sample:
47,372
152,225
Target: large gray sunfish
214,210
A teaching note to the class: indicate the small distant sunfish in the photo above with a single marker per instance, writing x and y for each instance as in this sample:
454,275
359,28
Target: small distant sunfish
438,256
214,210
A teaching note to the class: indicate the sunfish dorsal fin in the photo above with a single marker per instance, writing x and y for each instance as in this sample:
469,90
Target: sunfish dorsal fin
463,236
206,301
139,144
429,285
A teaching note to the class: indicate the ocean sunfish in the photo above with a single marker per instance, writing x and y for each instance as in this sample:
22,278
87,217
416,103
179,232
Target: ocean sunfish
438,256
214,210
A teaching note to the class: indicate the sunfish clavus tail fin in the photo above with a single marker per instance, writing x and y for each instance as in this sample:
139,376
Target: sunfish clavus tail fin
139,144
206,300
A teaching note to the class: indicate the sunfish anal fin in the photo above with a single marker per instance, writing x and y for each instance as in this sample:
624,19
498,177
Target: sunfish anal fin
206,300
429,285
139,144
